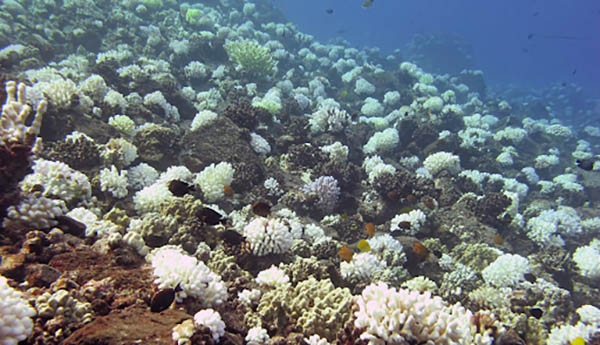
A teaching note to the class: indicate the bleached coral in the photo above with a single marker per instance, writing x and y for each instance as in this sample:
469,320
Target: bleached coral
174,268
15,113
119,151
442,161
587,327
202,119
587,259
150,198
113,181
375,167
415,218
58,181
211,319
141,175
272,277
257,336
363,266
213,179
337,152
325,190
268,236
259,144
381,142
329,118
399,316
506,271
123,124
35,211
549,227
15,319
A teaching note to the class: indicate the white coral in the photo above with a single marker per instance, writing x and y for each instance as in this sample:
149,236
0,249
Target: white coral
15,113
391,316
268,236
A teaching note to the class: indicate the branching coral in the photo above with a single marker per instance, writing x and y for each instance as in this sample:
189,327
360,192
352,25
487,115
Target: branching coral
251,57
17,141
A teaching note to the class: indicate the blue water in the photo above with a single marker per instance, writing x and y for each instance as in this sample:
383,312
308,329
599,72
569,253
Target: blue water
529,44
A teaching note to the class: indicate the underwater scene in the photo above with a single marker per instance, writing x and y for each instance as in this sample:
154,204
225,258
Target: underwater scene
272,172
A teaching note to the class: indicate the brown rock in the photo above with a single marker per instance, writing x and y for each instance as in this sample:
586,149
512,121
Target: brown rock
131,326
41,275
13,264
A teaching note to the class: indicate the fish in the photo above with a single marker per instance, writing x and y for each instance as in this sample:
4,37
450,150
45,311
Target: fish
404,224
228,191
71,226
578,341
363,246
162,300
329,11
211,217
420,250
232,237
536,312
346,254
261,208
370,229
180,188
367,3
587,163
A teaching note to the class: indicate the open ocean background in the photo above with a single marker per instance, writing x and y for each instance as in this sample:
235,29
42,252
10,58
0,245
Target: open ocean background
524,44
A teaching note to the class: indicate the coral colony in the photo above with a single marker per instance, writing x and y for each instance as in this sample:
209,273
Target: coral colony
212,175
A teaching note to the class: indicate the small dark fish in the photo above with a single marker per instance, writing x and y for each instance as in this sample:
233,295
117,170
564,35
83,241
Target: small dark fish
71,226
367,3
530,36
574,71
404,225
564,84
536,312
232,237
162,300
180,188
529,277
261,208
536,13
525,50
211,217
329,11
588,163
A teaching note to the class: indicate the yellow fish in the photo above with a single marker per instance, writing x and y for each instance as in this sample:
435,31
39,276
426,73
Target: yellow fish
363,246
578,341
367,3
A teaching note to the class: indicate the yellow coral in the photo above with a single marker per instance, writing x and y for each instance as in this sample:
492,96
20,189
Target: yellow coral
317,306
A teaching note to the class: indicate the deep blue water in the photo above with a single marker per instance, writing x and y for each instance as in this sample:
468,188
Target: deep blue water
527,43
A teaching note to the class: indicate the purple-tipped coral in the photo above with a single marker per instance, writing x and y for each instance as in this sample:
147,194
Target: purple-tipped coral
324,190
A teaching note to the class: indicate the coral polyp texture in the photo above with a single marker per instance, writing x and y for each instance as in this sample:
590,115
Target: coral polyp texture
211,174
